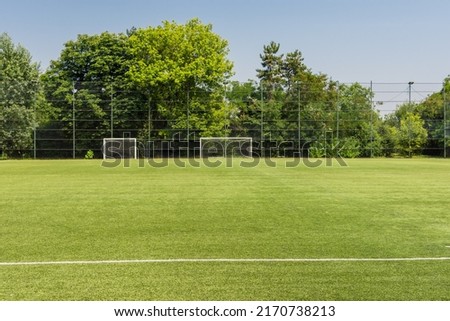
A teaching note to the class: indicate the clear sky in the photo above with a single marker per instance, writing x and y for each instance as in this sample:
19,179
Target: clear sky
349,40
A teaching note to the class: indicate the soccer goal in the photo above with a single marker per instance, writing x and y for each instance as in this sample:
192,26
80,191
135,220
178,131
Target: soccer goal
119,148
226,147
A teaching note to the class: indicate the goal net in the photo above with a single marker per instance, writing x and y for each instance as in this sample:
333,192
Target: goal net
119,148
226,147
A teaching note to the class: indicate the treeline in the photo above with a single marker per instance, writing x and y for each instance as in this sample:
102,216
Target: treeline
174,82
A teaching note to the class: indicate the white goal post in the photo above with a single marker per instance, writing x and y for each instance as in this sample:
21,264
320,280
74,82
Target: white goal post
226,146
119,148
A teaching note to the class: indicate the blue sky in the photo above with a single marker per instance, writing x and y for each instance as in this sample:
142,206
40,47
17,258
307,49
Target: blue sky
349,40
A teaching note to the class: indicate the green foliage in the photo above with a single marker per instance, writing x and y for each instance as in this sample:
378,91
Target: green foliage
183,69
172,80
317,150
359,124
271,75
18,75
350,147
19,90
185,56
90,77
411,135
390,140
89,155
431,111
16,128
151,81
346,148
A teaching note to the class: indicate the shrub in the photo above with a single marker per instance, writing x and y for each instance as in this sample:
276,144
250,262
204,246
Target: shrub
89,155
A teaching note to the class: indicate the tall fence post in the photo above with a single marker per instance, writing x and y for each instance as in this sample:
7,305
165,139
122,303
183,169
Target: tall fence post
445,119
338,107
34,131
299,119
262,118
73,120
371,118
187,121
112,109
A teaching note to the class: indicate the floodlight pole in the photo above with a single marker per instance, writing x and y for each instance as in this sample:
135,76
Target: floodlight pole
409,90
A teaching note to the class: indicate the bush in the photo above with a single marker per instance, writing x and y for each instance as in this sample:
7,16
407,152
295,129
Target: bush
350,148
346,148
89,155
317,150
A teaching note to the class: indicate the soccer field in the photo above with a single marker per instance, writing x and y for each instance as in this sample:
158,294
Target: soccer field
377,229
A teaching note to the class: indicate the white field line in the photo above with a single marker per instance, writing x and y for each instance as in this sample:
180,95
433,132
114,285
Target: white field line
225,260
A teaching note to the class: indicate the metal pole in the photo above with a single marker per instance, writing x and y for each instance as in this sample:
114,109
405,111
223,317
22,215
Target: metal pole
299,119
112,111
262,119
187,121
34,142
34,132
371,119
445,121
73,121
410,84
149,119
337,114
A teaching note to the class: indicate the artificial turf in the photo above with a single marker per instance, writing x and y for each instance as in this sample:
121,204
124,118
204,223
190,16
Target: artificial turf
70,210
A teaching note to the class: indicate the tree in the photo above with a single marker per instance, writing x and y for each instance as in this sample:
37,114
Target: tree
294,70
19,89
244,109
389,139
89,78
358,120
183,70
294,74
411,135
271,88
431,113
271,76
431,110
16,128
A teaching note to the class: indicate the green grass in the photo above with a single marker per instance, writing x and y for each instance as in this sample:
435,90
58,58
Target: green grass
78,210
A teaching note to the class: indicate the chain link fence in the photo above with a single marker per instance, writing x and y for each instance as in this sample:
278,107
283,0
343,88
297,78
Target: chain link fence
288,126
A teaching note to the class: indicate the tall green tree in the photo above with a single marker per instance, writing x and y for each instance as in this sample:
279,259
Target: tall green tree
19,88
271,88
183,69
358,120
245,115
294,74
431,110
89,81
412,136
271,74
